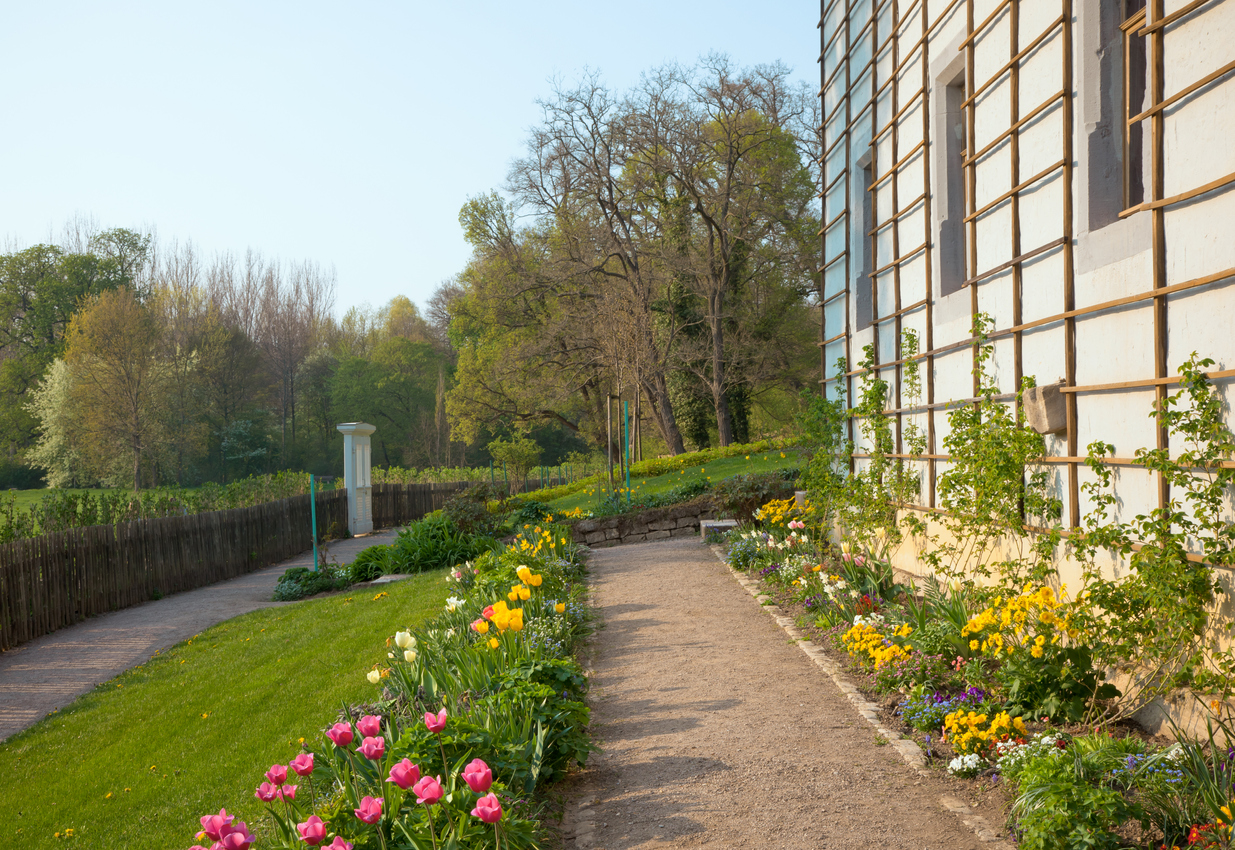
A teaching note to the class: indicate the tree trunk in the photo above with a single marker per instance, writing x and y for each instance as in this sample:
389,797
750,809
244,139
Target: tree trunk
724,422
656,388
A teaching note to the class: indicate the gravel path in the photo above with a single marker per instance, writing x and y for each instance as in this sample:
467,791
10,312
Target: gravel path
50,672
719,732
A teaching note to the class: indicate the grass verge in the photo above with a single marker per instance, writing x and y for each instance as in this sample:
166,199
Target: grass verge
134,763
687,470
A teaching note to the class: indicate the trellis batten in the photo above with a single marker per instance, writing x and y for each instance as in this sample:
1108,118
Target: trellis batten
1109,303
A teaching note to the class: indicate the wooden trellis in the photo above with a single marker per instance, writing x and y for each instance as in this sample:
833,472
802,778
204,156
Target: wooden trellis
896,35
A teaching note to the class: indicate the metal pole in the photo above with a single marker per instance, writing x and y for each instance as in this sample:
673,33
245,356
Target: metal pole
626,423
313,517
609,436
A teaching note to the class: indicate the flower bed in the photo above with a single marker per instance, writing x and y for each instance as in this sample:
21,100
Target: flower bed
999,690
474,715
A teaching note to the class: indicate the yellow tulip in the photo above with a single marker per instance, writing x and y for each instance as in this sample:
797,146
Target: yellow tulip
493,643
535,581
560,607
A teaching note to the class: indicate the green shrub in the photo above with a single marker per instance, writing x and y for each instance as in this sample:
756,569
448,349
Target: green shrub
299,582
433,543
469,510
370,564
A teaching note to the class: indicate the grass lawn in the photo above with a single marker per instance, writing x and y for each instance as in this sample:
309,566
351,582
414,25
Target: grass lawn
25,499
590,498
137,761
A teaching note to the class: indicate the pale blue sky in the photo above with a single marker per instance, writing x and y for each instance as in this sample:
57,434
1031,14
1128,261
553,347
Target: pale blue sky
344,133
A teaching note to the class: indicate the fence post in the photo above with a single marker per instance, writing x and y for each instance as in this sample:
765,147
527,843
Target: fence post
626,443
313,517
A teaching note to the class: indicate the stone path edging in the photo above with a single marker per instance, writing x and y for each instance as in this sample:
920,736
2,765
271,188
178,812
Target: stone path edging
908,750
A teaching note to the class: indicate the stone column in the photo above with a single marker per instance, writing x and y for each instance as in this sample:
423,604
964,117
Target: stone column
357,456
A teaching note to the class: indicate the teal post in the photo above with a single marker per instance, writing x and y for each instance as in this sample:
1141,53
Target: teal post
626,429
313,517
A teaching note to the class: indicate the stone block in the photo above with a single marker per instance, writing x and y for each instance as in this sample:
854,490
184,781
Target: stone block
635,538
611,522
588,525
662,524
691,522
1045,409
682,532
612,534
658,535
594,538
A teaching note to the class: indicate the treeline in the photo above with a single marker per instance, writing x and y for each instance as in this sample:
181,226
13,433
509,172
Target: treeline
658,245
127,363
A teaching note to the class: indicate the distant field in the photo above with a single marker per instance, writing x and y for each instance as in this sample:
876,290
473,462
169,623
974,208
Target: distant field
26,498
715,470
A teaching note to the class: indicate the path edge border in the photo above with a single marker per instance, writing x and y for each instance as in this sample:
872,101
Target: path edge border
909,751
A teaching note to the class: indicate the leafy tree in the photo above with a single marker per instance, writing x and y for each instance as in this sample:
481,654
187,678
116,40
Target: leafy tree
119,381
519,454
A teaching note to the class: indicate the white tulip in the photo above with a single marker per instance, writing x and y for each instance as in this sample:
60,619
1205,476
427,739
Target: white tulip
404,640
374,677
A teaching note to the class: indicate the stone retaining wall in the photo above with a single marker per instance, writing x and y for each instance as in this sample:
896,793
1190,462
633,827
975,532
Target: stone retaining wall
658,524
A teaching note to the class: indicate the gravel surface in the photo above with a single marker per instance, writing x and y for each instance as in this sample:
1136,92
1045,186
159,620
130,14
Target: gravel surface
50,672
718,731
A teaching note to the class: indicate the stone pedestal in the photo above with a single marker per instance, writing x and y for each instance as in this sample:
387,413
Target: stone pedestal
357,458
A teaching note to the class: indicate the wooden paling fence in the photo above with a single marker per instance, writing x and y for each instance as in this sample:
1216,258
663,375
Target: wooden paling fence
56,580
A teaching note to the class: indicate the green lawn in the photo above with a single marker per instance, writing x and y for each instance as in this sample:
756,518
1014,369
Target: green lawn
25,499
137,761
590,498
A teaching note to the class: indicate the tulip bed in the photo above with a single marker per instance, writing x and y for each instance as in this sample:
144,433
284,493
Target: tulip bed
998,686
471,715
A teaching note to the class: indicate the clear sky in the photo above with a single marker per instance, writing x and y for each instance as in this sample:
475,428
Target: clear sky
345,133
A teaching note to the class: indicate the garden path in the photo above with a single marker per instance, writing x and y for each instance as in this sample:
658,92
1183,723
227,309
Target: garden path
50,672
718,732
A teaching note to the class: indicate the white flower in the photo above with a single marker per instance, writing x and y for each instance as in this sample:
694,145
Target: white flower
409,655
374,677
390,655
965,765
452,603
450,633
404,640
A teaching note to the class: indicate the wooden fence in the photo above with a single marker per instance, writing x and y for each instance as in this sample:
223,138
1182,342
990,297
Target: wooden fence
56,580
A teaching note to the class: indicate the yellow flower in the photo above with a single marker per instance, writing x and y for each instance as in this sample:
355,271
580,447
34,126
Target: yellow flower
535,580
560,607
493,644
1036,651
523,571
516,620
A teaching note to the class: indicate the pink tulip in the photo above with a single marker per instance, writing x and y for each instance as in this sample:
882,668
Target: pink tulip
341,734
211,824
487,613
338,844
302,764
267,792
370,810
288,792
488,809
312,831
478,776
369,725
235,837
428,790
404,774
277,774
372,748
435,722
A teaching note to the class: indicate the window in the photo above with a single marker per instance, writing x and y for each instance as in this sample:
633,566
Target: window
864,215
1134,72
952,249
